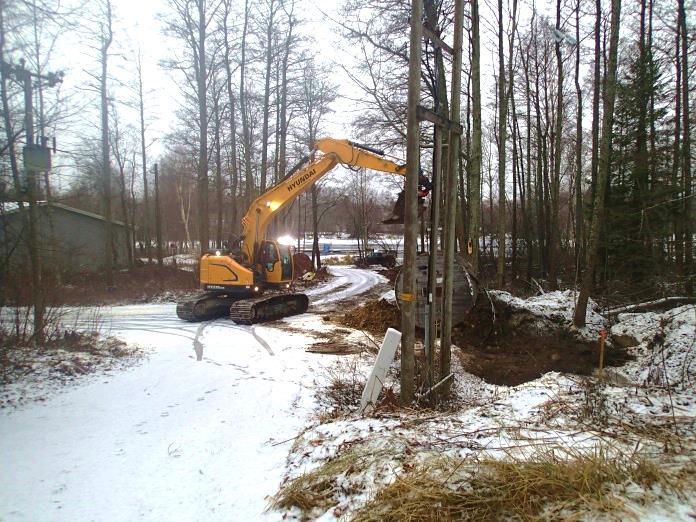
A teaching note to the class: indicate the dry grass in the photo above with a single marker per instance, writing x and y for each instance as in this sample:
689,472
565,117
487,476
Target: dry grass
546,487
342,391
317,489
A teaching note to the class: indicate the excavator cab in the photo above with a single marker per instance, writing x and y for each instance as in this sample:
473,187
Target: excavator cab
275,263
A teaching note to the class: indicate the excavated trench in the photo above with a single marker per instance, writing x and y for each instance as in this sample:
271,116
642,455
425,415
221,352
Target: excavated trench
502,351
497,348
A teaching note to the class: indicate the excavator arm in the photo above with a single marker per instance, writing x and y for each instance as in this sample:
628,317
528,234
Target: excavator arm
327,153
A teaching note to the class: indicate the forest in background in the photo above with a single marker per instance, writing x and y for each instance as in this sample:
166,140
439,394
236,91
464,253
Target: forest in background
255,92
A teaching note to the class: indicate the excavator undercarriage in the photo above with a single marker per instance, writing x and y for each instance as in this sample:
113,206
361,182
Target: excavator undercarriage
241,309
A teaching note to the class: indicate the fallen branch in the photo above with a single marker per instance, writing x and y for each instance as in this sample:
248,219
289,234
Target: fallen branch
439,385
670,302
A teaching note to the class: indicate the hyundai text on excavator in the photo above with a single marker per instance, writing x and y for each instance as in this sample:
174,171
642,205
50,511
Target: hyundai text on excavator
234,283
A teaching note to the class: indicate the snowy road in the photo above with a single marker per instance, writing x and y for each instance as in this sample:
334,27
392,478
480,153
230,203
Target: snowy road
347,282
174,438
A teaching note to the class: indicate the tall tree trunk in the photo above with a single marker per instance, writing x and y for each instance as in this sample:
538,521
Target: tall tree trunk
243,107
106,39
603,167
515,173
540,162
267,94
597,88
158,220
578,145
124,211
234,172
282,146
502,142
143,157
554,229
686,153
219,186
474,174
641,160
202,80
529,209
676,158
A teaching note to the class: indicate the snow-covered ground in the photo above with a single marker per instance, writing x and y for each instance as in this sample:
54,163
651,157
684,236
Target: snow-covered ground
630,412
175,438
218,415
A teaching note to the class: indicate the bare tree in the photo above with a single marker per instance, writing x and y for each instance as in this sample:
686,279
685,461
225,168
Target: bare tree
317,95
191,22
603,166
120,150
474,172
106,38
269,21
143,156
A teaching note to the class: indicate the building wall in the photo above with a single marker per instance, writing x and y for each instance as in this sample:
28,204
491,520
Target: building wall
79,240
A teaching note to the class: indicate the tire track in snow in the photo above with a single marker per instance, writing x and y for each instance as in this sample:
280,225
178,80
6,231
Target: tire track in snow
358,282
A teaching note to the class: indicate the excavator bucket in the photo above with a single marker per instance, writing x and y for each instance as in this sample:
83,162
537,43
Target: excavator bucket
397,217
424,188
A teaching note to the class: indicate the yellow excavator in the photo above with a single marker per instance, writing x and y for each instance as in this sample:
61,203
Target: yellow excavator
234,283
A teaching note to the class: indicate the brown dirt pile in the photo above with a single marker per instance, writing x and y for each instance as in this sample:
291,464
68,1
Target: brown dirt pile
509,355
391,273
374,316
303,264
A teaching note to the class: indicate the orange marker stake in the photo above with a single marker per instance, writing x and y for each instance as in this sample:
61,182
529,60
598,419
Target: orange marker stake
602,339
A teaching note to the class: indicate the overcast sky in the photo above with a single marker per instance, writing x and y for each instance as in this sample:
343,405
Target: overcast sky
137,26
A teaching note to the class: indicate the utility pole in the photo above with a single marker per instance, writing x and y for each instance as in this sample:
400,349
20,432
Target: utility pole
451,194
36,157
433,301
408,293
33,243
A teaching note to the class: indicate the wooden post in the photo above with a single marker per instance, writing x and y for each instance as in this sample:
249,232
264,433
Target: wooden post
451,196
408,296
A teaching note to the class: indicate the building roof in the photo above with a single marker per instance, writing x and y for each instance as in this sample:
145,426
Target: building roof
10,207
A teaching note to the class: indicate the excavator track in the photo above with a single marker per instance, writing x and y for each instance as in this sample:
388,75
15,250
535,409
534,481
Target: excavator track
204,307
268,308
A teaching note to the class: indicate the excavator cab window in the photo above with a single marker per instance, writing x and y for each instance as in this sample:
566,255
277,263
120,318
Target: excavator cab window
269,255
286,262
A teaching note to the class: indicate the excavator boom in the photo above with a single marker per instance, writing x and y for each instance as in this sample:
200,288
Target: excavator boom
327,154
